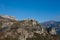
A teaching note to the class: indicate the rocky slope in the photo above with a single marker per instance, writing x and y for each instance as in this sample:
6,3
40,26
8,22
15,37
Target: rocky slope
29,29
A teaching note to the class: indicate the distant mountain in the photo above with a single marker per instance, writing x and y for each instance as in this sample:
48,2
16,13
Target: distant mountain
52,25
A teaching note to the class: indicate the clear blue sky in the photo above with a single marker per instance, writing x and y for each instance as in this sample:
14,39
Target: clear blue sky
41,10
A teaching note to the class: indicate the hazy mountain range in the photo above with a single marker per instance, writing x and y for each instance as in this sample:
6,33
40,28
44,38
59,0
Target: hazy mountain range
52,24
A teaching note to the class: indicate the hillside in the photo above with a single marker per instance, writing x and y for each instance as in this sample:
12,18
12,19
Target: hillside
28,29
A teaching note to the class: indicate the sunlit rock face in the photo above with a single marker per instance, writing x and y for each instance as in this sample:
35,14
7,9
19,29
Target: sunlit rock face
9,17
53,31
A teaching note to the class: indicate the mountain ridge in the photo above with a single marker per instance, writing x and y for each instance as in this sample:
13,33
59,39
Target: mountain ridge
28,29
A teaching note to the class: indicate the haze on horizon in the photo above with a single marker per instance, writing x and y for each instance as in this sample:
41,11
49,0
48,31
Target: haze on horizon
41,10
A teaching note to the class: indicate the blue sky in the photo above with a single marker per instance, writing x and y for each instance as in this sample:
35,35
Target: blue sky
41,10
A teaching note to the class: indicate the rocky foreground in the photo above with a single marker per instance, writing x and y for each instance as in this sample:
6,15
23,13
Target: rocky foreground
29,29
